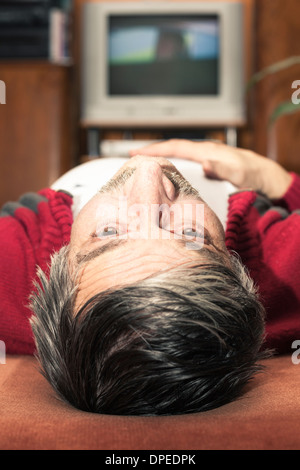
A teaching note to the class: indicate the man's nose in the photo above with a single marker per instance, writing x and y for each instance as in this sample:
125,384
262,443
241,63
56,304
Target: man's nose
150,185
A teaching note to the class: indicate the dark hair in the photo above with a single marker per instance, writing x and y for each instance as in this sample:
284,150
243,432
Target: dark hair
183,341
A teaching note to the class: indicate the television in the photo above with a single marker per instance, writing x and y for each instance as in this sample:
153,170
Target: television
158,64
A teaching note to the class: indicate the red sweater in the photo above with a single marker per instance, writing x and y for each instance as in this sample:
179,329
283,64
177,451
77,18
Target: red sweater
30,230
265,235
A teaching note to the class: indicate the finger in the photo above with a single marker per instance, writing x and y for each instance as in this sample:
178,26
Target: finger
209,170
159,149
174,148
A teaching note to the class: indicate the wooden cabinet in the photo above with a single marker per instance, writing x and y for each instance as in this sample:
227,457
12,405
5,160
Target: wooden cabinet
36,131
40,132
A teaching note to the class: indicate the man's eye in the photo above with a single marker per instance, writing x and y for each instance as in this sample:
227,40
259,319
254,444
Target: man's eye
110,231
191,232
107,231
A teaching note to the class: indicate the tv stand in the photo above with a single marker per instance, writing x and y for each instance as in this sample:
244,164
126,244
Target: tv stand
99,145
231,136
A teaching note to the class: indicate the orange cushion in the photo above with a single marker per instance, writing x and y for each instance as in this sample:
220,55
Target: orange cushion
266,417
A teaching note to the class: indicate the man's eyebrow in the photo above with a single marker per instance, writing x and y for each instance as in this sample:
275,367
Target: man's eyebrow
83,258
109,246
119,181
179,182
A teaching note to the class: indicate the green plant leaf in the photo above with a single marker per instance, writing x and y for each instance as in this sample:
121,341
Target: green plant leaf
287,107
271,69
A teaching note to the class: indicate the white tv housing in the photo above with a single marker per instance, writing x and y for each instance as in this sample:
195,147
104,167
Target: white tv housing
116,38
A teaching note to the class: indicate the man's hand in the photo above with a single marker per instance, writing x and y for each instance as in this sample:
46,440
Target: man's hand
243,168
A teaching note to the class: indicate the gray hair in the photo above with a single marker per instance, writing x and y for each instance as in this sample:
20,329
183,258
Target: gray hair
181,341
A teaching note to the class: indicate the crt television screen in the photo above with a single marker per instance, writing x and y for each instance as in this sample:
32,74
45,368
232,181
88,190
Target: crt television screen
163,55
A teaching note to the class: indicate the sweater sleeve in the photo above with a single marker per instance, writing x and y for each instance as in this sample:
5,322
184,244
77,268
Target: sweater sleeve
291,199
278,273
266,236
30,230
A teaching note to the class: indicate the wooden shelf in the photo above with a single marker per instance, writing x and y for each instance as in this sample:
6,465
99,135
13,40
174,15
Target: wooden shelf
36,125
